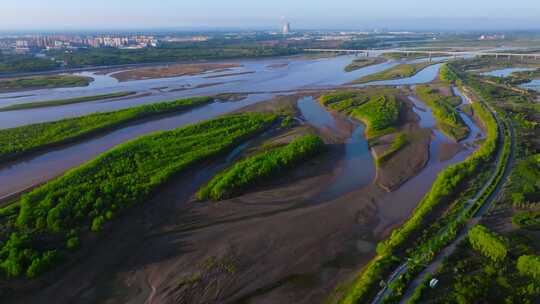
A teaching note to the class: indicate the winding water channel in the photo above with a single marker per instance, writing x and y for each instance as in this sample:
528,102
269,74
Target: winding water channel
358,164
295,74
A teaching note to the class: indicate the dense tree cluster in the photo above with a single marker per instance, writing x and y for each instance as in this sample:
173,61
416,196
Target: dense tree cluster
381,114
38,82
170,53
448,119
15,142
527,188
87,197
529,265
260,167
343,101
447,74
25,63
488,243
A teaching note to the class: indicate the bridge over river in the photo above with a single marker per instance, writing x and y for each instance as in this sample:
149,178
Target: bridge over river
430,54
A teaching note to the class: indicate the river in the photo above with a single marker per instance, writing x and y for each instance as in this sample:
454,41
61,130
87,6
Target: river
265,83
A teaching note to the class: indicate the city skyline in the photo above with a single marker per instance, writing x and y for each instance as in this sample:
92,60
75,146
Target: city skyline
241,14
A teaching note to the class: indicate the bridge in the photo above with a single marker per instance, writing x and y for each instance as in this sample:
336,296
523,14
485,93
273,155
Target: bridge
430,54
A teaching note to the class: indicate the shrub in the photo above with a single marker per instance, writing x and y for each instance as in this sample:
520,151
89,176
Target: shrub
488,243
381,114
529,265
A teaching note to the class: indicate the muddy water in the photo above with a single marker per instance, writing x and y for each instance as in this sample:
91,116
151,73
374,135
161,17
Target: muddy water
357,167
476,132
424,76
296,75
28,172
402,201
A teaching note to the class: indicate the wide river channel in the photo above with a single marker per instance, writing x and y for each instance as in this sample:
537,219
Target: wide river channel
266,79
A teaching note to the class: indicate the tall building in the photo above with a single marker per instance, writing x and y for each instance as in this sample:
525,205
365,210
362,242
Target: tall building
286,28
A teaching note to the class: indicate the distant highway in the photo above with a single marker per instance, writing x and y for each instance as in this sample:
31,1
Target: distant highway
535,56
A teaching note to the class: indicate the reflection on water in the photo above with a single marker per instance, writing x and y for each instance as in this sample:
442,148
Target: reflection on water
407,197
358,165
424,76
506,72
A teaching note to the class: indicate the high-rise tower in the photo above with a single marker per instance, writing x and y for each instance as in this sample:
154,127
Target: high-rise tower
286,29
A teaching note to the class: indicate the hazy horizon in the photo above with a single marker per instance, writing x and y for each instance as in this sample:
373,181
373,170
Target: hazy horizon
32,15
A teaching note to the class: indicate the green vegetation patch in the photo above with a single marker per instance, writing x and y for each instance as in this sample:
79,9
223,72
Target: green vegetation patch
87,197
468,276
488,243
400,142
381,114
362,63
343,101
62,102
526,182
529,265
16,142
446,74
258,168
25,63
397,72
527,220
448,119
42,82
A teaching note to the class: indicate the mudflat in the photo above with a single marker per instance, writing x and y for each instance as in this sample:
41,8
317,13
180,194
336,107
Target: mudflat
174,70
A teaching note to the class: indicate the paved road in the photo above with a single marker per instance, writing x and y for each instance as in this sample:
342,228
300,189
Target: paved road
448,250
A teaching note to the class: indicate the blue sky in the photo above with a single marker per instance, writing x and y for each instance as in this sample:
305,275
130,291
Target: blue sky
125,14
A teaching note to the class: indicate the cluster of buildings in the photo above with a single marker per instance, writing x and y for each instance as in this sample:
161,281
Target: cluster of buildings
31,44
492,37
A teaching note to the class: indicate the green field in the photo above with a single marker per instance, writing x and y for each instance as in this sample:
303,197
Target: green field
448,119
43,82
62,102
86,198
16,142
381,114
260,168
397,72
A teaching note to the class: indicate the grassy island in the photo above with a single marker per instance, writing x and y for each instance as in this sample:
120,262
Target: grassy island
381,114
448,119
400,71
260,167
43,82
87,197
16,142
362,63
63,102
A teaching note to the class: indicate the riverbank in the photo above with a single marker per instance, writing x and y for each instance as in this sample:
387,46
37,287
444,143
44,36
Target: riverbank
42,82
174,70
